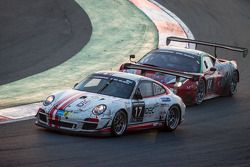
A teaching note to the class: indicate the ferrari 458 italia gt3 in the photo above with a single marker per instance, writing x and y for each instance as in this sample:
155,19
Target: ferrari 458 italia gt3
192,74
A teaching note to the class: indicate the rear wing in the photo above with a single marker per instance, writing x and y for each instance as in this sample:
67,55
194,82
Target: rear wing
215,45
193,76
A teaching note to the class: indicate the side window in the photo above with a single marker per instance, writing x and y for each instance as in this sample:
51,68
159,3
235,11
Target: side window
146,89
210,62
158,89
207,63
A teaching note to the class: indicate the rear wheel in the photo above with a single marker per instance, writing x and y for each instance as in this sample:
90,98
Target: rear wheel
201,89
233,84
173,118
119,124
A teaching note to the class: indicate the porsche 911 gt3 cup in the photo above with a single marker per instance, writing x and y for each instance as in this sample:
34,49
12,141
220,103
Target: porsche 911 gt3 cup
112,103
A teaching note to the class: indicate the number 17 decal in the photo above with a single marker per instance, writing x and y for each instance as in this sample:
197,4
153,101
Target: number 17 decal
138,110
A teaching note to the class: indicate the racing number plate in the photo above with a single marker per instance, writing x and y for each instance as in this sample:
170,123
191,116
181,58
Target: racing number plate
138,110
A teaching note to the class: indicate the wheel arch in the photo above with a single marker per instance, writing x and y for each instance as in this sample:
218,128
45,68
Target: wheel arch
238,75
122,129
204,79
179,107
125,111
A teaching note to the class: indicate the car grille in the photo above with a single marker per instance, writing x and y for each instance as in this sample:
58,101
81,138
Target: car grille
89,126
43,117
62,124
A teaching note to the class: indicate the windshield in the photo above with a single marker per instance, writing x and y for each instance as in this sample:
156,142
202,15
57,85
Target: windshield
107,85
173,60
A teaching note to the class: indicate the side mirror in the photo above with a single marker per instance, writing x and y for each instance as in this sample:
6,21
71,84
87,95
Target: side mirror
168,41
75,85
213,69
131,57
137,94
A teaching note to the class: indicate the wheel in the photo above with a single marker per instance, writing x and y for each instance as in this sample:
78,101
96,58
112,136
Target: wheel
200,92
173,118
233,84
119,124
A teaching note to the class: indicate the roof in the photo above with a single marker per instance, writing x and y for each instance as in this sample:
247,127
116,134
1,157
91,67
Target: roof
125,75
184,50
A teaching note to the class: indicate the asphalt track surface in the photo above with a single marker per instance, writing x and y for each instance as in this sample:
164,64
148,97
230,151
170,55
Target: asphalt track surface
38,35
215,133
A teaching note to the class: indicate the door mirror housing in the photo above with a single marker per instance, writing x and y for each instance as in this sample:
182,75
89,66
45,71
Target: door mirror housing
131,57
137,94
213,69
75,85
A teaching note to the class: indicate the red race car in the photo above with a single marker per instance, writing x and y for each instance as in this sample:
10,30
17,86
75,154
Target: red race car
192,74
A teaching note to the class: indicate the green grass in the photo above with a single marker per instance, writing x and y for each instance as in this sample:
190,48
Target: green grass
119,29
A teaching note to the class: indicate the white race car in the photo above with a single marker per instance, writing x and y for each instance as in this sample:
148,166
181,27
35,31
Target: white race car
112,103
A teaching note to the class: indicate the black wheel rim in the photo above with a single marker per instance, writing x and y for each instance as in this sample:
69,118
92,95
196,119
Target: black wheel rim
233,85
120,123
173,118
200,92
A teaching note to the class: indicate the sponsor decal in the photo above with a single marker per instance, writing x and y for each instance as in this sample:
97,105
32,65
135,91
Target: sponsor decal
108,73
62,113
67,113
164,105
165,99
151,110
113,78
83,103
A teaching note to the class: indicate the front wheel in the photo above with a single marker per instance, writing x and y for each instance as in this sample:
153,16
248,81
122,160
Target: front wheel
119,124
201,90
173,118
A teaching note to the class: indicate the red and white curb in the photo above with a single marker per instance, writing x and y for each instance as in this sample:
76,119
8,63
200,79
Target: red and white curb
19,113
167,24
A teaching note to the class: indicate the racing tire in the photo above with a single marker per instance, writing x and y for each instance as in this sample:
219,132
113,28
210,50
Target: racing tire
233,84
173,118
201,91
119,124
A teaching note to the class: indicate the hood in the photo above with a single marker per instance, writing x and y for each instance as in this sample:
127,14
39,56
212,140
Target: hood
75,101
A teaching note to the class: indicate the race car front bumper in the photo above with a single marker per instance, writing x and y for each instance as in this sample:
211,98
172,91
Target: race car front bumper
87,126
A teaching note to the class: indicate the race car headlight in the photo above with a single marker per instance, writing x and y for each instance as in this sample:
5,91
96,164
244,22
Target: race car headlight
98,110
178,84
49,100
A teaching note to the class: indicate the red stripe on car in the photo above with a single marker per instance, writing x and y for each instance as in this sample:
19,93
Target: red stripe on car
66,104
70,101
141,126
57,104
